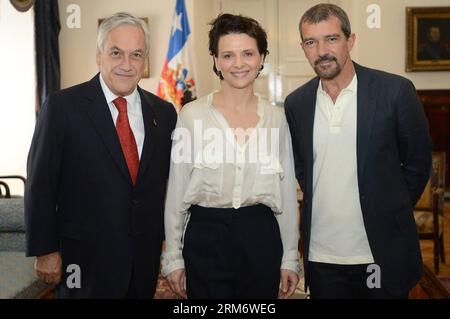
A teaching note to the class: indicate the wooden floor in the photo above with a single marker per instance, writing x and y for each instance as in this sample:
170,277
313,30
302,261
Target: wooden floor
427,246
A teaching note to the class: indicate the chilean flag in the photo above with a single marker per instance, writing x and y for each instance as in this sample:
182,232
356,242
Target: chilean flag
177,83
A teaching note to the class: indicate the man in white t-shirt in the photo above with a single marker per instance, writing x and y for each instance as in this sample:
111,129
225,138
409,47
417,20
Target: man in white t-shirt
363,156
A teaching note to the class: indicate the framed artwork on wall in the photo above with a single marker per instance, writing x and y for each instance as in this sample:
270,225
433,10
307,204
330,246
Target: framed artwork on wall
22,5
427,39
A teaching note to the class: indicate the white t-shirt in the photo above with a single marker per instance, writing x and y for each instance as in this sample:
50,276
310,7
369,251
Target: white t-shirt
338,235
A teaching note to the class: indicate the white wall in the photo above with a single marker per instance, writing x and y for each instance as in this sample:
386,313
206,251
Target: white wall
78,46
378,48
385,48
17,89
203,13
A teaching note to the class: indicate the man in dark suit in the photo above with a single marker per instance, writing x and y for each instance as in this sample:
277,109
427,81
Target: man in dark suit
97,172
363,156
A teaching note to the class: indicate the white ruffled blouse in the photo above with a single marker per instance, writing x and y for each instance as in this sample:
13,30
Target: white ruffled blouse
210,169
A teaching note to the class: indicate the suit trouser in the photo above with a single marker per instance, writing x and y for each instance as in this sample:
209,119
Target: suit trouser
131,291
232,253
333,281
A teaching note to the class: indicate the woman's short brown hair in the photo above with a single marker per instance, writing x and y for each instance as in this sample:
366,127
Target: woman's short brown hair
227,23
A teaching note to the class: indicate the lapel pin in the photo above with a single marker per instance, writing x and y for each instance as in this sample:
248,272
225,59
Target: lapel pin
154,122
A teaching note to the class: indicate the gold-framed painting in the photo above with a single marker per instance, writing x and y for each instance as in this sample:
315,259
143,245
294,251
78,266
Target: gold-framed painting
146,74
427,39
22,5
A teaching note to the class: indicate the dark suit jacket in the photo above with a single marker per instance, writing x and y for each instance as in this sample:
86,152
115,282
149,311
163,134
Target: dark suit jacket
79,197
394,163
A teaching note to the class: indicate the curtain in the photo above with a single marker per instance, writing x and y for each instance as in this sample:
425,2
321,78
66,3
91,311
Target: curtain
47,27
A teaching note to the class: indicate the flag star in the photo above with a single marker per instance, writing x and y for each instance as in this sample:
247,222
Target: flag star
177,23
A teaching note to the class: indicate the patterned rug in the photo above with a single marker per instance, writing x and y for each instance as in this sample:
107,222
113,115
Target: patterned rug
163,290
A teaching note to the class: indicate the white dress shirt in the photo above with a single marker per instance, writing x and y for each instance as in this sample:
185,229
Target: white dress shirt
134,112
239,175
338,235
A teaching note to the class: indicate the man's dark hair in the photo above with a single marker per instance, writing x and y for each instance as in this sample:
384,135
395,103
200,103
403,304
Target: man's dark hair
322,12
235,24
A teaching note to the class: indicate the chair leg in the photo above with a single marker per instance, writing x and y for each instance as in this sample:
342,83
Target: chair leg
441,248
436,256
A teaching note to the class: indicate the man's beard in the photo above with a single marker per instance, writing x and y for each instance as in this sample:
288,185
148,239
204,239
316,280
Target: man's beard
329,72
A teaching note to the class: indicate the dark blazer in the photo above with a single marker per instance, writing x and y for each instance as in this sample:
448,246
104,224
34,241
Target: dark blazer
394,163
80,200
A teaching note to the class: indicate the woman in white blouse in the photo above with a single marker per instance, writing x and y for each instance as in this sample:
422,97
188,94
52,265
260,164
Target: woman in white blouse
231,211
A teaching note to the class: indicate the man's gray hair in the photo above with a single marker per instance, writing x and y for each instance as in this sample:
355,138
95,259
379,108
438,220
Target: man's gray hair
322,12
119,19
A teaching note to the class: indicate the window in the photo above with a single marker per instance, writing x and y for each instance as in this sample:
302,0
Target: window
17,90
